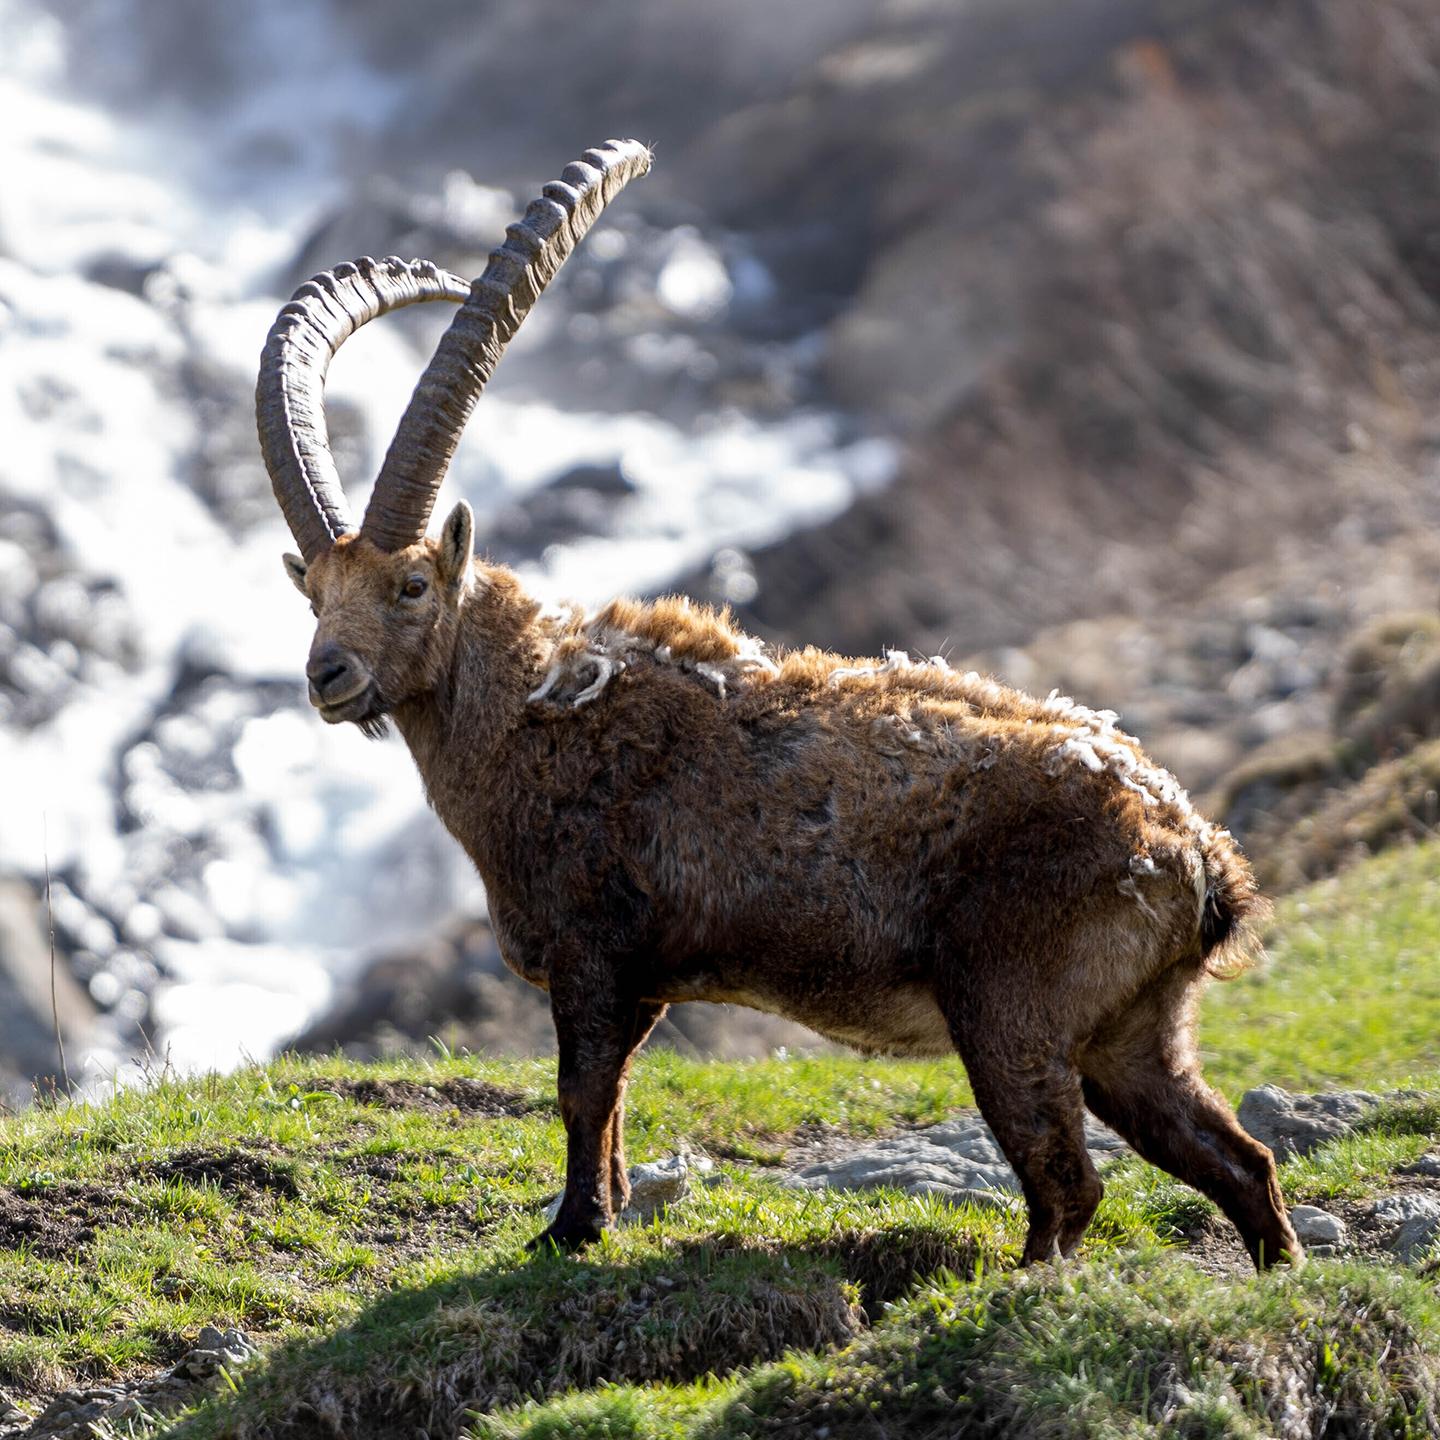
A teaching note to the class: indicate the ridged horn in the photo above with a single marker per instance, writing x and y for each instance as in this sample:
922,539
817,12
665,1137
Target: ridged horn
290,395
534,249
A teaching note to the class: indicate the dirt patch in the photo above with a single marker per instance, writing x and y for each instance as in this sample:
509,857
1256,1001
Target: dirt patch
469,1097
384,1167
235,1171
814,1141
1214,1246
56,1221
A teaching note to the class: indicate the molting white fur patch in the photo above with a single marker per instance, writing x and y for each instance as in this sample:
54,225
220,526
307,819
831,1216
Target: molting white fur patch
605,670
895,661
594,649
1094,740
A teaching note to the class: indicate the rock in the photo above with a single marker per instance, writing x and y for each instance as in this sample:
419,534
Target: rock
958,1160
27,1036
656,1186
1428,1165
1415,1239
996,1200
1318,1228
100,1409
1294,1125
1398,1209
213,1350
1416,1219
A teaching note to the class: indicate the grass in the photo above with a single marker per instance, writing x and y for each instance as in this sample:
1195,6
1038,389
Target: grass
1144,1347
271,1198
366,1225
1350,991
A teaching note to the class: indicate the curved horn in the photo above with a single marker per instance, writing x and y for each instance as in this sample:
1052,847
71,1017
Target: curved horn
290,396
534,249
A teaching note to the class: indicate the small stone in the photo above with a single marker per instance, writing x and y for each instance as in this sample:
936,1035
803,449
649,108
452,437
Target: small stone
1314,1226
654,1187
1428,1165
236,1347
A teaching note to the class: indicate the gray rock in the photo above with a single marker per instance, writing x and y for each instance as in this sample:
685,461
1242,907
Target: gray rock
1297,1124
1318,1227
959,1160
1416,1219
996,1200
656,1186
1398,1209
1416,1238
1428,1165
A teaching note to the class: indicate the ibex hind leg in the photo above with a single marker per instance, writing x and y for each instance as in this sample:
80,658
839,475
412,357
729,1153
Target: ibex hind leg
1029,1096
1142,1079
646,1018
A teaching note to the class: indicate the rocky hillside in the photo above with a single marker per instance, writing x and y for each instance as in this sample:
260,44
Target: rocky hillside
1093,343
1162,339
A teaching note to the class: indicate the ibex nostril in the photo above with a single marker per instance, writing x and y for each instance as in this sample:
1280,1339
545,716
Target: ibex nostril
329,669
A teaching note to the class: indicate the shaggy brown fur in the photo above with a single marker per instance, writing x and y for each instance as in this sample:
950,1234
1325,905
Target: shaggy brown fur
910,861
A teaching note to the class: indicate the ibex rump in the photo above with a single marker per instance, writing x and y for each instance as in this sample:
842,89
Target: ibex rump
906,859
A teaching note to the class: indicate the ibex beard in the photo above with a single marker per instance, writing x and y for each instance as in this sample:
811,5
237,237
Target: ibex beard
906,859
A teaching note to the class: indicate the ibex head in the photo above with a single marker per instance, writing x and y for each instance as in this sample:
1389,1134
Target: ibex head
385,595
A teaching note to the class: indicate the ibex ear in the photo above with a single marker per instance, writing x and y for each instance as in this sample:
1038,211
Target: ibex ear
457,544
296,569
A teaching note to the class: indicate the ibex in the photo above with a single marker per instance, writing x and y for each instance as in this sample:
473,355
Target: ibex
906,859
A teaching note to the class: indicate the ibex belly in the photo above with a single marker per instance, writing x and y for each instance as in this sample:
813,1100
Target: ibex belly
900,1020
904,1021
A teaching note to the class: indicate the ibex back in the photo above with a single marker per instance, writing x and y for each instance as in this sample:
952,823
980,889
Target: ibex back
908,860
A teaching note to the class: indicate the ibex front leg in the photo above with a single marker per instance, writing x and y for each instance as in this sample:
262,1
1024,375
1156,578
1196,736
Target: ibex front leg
596,1030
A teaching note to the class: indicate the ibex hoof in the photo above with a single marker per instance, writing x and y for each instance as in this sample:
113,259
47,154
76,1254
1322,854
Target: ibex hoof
566,1237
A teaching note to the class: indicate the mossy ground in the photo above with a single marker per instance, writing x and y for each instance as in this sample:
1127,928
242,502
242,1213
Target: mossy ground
367,1227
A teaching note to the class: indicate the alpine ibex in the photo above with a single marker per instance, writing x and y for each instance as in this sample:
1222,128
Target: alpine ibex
907,859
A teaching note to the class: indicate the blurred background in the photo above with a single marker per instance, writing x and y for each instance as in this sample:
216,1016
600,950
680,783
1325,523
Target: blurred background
1094,342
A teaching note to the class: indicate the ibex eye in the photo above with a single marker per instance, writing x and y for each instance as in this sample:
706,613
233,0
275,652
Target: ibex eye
414,587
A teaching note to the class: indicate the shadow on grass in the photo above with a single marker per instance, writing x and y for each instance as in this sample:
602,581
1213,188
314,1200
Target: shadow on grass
421,1360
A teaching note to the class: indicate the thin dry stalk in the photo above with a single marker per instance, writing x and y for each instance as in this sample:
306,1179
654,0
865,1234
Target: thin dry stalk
54,1000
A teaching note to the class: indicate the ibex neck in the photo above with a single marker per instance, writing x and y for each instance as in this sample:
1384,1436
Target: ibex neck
479,697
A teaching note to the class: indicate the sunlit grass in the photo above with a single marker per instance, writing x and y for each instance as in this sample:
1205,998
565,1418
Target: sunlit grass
1350,992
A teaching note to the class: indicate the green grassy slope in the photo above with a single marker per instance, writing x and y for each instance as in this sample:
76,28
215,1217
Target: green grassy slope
1350,991
367,1226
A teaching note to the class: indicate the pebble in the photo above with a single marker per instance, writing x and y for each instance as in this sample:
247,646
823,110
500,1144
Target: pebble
1318,1228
